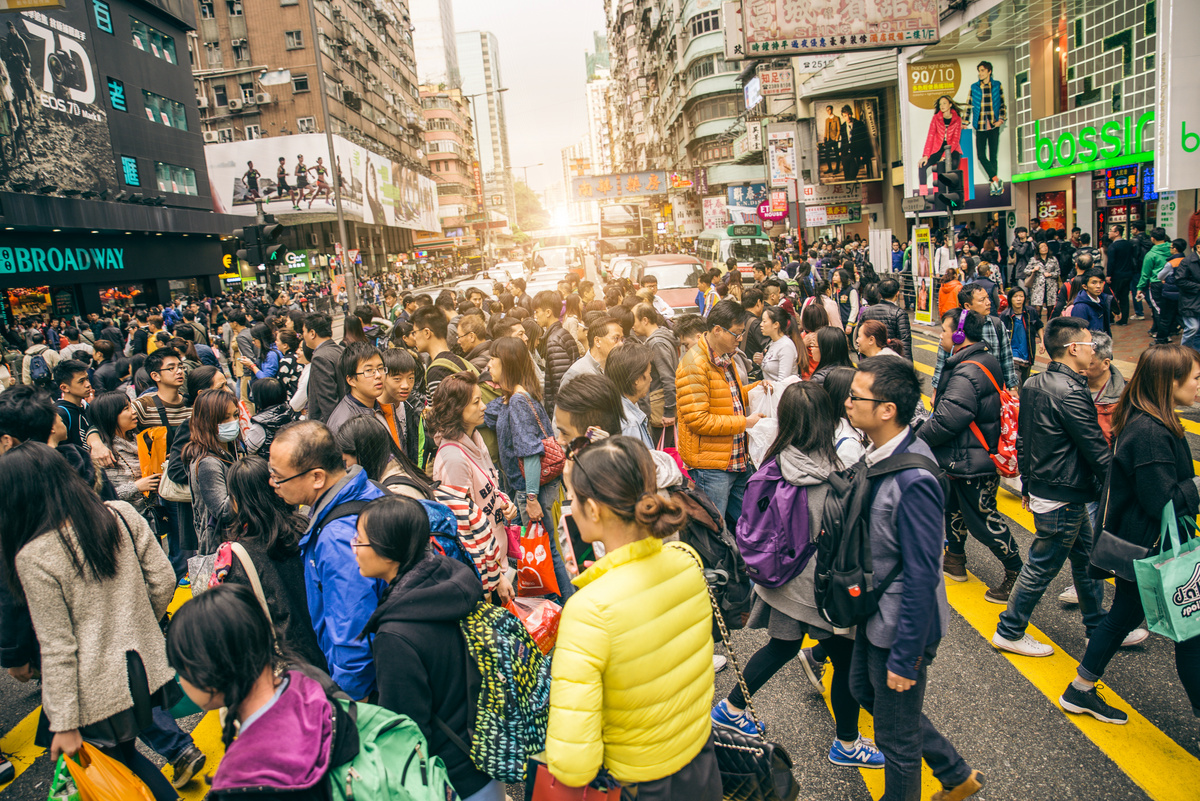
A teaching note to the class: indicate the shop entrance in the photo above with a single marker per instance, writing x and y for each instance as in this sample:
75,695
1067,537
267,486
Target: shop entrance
125,296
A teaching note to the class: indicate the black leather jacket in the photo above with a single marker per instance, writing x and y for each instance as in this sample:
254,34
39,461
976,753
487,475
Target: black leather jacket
964,396
896,320
1061,451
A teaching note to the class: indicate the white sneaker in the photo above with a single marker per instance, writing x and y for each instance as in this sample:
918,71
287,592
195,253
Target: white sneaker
1026,646
1135,637
718,663
1069,596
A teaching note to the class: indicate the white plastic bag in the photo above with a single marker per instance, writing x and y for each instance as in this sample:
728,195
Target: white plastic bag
764,398
760,438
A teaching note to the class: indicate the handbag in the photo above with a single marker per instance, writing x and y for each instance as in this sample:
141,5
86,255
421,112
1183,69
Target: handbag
752,768
1169,581
168,490
1113,555
553,456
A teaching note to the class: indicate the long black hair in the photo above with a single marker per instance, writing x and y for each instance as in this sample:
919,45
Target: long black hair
372,446
397,528
837,385
261,513
835,351
103,413
807,422
221,642
44,494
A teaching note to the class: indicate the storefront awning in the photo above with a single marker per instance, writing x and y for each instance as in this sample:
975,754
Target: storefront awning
853,72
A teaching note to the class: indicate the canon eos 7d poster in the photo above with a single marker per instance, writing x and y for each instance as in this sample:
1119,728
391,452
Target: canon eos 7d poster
52,103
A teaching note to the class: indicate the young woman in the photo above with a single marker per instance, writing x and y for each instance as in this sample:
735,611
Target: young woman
365,441
824,298
813,317
804,451
270,531
786,350
299,399
415,637
225,651
872,340
847,440
521,425
1041,279
209,453
1151,464
617,649
945,131
353,330
832,351
264,340
573,321
96,582
628,366
270,399
287,343
1024,332
111,414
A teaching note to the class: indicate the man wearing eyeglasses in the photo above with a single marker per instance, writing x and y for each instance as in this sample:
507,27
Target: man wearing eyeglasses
1063,458
603,335
362,372
711,418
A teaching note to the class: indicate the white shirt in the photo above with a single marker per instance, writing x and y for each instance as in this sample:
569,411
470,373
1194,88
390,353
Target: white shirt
847,440
663,308
877,455
1041,506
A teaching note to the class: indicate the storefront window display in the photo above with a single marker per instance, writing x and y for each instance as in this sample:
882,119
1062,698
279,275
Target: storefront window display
29,300
123,297
183,287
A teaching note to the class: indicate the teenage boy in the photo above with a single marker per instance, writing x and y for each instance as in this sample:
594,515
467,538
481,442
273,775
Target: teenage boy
650,284
706,296
71,376
603,335
430,331
362,372
1091,304
398,386
896,645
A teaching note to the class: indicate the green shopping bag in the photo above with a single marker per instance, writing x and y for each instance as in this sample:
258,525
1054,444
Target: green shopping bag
62,786
1169,582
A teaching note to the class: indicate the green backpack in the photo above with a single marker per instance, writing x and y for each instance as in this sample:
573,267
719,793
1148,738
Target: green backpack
393,761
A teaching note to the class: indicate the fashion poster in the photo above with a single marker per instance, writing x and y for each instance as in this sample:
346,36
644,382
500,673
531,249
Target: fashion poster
922,267
959,113
848,148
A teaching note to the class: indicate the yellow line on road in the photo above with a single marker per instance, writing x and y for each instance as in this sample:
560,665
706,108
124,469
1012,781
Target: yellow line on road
18,745
207,736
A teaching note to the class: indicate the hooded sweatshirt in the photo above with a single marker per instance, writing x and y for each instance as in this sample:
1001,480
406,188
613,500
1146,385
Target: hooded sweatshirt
797,599
1153,263
421,660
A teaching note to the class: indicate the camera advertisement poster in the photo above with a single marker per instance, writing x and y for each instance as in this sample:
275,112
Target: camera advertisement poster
848,147
52,103
959,114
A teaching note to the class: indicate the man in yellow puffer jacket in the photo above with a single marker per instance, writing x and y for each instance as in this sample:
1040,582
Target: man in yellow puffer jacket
711,408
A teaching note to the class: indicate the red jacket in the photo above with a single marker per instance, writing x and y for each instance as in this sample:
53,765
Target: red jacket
939,132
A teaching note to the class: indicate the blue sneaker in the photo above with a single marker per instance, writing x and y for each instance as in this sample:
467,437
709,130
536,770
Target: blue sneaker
864,754
722,715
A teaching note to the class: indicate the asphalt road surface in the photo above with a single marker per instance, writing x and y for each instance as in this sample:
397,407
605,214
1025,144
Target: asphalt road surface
1000,711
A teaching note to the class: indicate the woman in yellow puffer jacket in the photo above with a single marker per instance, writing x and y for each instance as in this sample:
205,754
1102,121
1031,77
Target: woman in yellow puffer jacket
632,681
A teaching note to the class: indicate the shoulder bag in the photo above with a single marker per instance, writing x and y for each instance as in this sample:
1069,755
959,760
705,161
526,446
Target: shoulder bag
1112,554
752,768
168,490
553,456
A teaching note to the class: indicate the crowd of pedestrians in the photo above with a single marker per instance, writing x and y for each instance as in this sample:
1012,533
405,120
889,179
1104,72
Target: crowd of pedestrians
346,511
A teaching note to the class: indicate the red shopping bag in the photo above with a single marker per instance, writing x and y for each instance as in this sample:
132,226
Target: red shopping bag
536,573
540,617
548,788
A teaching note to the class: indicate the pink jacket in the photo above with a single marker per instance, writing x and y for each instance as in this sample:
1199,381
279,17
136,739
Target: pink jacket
464,464
940,132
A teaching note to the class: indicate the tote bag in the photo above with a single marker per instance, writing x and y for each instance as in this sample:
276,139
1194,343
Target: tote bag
1169,582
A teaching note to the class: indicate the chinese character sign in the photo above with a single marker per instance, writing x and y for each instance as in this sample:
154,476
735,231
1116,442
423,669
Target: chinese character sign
781,147
747,196
715,215
776,82
790,28
633,184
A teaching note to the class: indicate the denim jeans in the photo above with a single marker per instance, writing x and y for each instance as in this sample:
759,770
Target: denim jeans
902,731
492,791
724,489
547,497
1191,332
164,736
1065,533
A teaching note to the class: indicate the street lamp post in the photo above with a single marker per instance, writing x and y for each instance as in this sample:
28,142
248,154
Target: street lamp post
479,158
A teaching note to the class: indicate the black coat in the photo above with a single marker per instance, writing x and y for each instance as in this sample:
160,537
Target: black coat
1150,466
560,352
421,660
1187,277
964,396
896,320
1061,451
324,389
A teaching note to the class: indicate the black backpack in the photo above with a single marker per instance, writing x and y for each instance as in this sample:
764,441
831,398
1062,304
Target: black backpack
723,564
846,589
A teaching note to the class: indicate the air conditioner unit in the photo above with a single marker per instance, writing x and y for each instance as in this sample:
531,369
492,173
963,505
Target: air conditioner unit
210,136
238,42
262,97
235,104
380,120
201,101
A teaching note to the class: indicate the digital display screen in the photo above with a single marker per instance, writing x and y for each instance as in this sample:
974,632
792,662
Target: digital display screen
1123,183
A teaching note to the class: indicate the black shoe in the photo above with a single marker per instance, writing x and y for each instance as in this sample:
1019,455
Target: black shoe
8,771
1091,703
187,765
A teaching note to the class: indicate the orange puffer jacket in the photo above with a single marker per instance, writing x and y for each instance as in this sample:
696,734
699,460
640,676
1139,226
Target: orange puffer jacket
707,423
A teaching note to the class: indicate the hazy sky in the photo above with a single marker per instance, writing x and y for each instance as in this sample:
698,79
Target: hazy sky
542,46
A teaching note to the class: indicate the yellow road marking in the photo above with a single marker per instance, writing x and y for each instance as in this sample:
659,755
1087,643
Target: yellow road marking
207,736
18,745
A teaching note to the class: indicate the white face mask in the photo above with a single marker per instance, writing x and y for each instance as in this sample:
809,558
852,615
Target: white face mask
228,432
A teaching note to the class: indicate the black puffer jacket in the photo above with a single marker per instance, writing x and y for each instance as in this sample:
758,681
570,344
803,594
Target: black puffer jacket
896,320
965,395
560,353
1187,276
1061,451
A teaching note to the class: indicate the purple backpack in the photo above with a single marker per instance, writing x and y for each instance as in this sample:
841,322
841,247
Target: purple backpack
772,533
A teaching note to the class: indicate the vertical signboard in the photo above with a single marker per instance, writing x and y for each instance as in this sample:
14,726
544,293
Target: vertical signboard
781,156
1177,109
922,267
1052,210
715,216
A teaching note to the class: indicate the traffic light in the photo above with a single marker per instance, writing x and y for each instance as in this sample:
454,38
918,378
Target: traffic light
950,189
274,253
251,252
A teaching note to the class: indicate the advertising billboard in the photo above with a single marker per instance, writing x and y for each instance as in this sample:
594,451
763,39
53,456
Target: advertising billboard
52,104
788,28
1052,210
922,267
951,118
848,148
630,184
296,174
1177,128
715,215
781,157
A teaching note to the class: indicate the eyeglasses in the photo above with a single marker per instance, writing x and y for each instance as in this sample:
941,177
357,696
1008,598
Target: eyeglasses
871,400
281,481
175,368
1081,342
356,544
736,336
373,372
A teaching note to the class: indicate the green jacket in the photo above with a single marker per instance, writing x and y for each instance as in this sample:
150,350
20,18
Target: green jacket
1152,265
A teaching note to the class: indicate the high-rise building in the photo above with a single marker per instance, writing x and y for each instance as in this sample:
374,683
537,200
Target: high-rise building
479,64
450,148
435,43
576,161
599,90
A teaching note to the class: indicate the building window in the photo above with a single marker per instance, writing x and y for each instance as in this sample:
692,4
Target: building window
129,171
248,93
219,94
241,50
206,11
152,41
715,152
715,108
213,51
116,95
306,125
300,82
234,7
253,132
103,15
707,22
224,134
173,178
289,2
164,111
293,40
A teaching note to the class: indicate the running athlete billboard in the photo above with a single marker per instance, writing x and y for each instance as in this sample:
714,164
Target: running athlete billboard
297,175
52,103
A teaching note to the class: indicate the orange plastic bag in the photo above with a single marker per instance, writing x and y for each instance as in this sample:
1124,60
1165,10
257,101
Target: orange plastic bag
540,616
536,573
99,777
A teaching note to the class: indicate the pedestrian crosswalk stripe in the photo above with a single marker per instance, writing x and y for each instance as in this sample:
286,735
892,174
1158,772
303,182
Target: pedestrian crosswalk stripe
18,745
